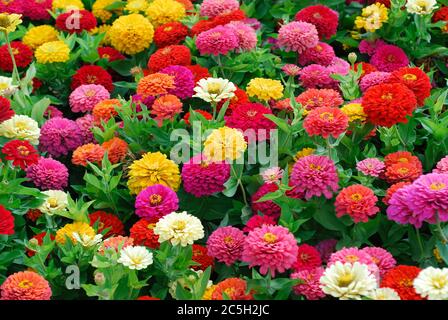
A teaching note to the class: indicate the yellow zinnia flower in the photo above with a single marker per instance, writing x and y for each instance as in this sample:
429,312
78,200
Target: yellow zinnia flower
163,11
131,34
372,17
153,168
265,89
54,51
100,12
9,22
224,144
355,112
81,228
37,36
136,6
303,153
67,5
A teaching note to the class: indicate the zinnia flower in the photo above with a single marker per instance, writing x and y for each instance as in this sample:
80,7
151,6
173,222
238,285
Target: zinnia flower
108,221
310,283
401,280
153,168
326,121
265,89
5,109
247,37
116,149
143,233
174,55
20,127
156,201
170,33
372,17
163,11
347,281
23,56
25,285
76,21
421,7
200,256
432,283
86,96
224,144
213,8
273,248
357,201
6,221
183,81
322,17
226,244
51,52
90,74
314,176
308,258
372,79
55,201
317,76
315,98
384,294
80,228
442,166
135,257
214,89
21,153
234,288
322,54
389,58
59,136
267,208
382,258
416,80
371,167
48,174
37,36
90,152
180,228
155,84
392,189
218,40
297,36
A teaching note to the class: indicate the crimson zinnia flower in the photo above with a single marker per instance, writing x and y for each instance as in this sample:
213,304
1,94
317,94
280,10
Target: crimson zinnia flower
107,221
23,56
92,75
5,109
6,221
21,152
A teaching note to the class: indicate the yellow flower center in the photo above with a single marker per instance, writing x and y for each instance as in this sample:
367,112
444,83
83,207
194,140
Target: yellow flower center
21,125
100,225
351,258
214,88
155,199
403,170
151,226
168,29
410,77
327,116
229,291
3,85
406,283
105,56
270,237
53,202
356,197
391,58
318,48
23,151
437,186
15,51
403,160
179,225
25,284
252,113
387,96
439,282
228,240
345,280
314,167
91,79
317,15
136,260
166,51
90,93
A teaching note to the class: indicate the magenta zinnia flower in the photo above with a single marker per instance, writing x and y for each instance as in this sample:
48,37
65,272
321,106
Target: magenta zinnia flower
85,125
202,177
369,47
310,284
297,36
155,202
267,208
257,221
314,176
389,58
59,136
86,96
322,54
226,244
183,81
317,76
247,37
273,248
372,79
371,167
48,174
399,209
218,40
382,258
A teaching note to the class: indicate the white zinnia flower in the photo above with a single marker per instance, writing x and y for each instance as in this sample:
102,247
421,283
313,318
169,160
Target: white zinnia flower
214,89
421,6
56,201
87,241
6,86
432,283
384,294
348,281
179,228
135,257
20,127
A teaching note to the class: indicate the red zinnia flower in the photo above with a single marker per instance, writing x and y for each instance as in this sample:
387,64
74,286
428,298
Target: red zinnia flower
198,72
239,98
388,104
172,55
23,56
6,221
401,279
441,15
324,18
143,233
366,68
416,80
206,115
21,152
92,75
226,17
234,288
40,239
107,221
170,33
111,54
200,256
33,214
5,109
307,258
326,121
399,172
357,201
401,157
76,21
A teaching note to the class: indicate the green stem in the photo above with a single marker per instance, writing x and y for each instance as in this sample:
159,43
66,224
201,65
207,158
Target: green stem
240,183
214,107
221,68
440,230
399,136
419,240
15,71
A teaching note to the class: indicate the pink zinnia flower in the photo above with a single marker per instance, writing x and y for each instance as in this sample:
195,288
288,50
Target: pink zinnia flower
48,174
315,98
339,66
213,8
310,286
218,40
248,116
314,176
85,125
53,112
382,258
357,201
322,54
369,47
272,175
371,167
86,96
267,208
307,258
25,285
202,177
429,196
257,221
317,76
352,255
297,36
326,248
226,244
326,121
399,209
59,136
442,166
183,81
291,70
372,79
155,202
273,248
247,37
389,58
